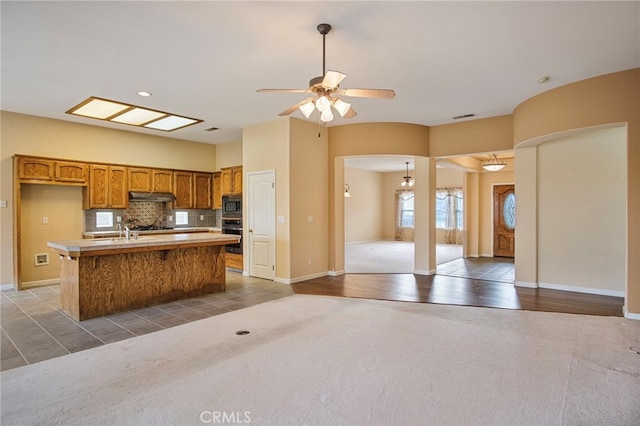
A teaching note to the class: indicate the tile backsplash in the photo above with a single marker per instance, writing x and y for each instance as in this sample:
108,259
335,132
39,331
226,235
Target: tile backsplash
141,213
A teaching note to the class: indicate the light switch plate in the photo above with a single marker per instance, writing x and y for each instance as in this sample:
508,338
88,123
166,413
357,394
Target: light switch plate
3,203
280,219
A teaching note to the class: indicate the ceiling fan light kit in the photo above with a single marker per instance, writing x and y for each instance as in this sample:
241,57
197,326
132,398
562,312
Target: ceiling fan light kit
326,88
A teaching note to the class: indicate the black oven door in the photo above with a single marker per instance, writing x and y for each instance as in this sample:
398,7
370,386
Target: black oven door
233,226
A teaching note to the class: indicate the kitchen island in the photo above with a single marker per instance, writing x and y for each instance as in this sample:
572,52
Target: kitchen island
104,276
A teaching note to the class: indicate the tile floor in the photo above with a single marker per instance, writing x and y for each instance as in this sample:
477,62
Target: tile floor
498,269
34,328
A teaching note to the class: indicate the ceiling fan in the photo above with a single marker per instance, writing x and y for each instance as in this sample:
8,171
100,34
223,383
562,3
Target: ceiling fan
325,90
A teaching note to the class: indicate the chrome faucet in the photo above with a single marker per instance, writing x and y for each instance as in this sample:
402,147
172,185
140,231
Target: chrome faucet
119,228
127,232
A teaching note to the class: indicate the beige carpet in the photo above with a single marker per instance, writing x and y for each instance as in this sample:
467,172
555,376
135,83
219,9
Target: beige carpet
322,360
390,257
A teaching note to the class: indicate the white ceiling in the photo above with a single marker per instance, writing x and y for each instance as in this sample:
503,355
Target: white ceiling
206,59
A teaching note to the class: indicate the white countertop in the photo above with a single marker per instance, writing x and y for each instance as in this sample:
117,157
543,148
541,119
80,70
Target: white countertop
161,241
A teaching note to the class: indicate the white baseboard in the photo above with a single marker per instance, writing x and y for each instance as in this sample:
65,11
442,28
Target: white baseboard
630,315
577,289
6,287
474,255
424,272
486,255
300,279
365,241
336,273
526,284
40,283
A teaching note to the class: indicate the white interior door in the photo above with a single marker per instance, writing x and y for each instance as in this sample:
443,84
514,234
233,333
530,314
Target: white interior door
262,225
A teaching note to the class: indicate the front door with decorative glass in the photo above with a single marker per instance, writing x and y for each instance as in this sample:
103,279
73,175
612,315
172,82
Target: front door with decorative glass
504,220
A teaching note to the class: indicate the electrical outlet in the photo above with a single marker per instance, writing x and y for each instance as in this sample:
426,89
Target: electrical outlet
170,218
118,219
3,203
201,217
45,220
309,261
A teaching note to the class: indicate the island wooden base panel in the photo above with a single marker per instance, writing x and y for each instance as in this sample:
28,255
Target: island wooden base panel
100,285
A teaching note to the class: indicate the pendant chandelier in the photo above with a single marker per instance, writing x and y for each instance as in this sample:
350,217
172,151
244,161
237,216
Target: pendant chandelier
407,180
493,164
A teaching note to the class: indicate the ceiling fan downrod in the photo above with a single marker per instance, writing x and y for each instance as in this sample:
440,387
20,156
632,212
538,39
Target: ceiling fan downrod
324,30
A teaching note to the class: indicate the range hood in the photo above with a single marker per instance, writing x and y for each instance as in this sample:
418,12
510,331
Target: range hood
155,197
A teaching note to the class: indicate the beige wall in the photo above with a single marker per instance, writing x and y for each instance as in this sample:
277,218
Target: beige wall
62,206
449,178
605,100
581,216
293,149
24,134
364,209
469,137
229,154
309,200
266,147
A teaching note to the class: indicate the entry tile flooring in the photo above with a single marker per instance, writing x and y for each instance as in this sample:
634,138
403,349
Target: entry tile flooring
34,328
496,269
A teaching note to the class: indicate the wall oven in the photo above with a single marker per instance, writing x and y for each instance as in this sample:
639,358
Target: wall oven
233,226
232,206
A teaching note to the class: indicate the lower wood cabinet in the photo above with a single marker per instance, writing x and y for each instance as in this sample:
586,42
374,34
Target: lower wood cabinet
233,260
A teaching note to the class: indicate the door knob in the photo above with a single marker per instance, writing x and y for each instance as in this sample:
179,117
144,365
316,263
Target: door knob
250,230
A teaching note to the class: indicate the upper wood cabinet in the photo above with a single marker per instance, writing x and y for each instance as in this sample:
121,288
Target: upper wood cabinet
162,181
202,189
107,187
47,170
69,171
217,190
231,180
139,179
35,168
183,189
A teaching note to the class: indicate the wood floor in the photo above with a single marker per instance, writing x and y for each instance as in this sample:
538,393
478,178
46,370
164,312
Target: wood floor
459,291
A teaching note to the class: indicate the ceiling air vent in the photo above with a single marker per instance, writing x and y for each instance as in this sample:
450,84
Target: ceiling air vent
458,117
211,129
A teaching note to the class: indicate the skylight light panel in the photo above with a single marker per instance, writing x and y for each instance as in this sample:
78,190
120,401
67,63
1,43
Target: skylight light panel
120,112
171,122
98,108
138,116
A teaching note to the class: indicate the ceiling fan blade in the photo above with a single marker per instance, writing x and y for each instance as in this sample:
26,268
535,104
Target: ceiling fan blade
332,79
350,114
284,90
295,107
369,93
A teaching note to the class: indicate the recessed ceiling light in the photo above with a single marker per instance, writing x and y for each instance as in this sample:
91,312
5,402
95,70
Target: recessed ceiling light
543,79
120,112
144,93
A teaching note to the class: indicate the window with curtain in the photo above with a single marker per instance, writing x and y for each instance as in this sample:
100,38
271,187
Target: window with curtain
405,215
449,213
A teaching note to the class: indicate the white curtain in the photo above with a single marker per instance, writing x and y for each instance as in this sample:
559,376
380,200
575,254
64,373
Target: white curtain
449,214
404,209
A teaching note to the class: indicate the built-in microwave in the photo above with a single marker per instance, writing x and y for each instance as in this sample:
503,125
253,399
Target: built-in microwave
231,206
